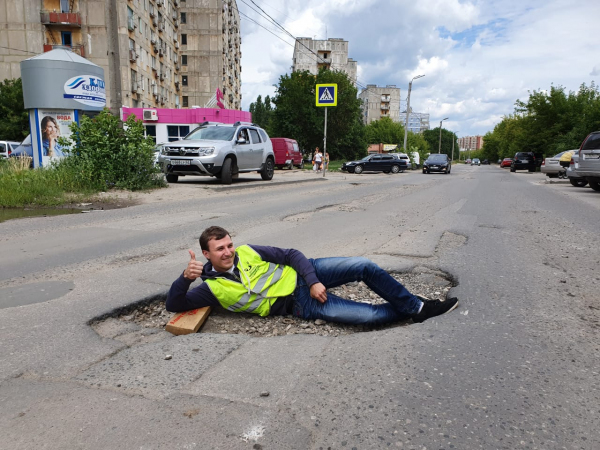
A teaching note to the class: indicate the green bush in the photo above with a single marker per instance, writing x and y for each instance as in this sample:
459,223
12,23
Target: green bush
107,153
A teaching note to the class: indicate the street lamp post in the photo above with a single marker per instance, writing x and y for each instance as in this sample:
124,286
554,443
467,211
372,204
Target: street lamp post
408,109
440,146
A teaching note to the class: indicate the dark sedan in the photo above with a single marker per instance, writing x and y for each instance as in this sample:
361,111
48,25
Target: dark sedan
376,163
437,162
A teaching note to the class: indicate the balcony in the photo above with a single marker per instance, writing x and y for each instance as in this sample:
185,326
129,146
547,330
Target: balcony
385,98
72,19
79,48
385,107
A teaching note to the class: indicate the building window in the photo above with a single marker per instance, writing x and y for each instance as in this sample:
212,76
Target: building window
150,130
66,38
184,101
184,39
184,60
183,18
177,132
184,80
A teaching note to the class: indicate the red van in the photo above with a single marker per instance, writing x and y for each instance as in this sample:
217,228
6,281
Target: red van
287,153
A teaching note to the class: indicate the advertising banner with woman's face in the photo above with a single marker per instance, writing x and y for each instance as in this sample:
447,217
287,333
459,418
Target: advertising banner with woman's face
53,125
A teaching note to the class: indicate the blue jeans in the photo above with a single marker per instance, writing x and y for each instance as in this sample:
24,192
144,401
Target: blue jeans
334,272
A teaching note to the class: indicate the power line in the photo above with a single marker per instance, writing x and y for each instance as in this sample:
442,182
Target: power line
272,20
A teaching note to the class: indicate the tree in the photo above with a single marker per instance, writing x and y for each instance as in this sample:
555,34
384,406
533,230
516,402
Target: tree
14,119
548,122
296,116
385,131
262,112
433,139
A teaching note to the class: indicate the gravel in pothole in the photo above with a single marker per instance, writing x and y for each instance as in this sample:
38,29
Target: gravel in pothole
430,284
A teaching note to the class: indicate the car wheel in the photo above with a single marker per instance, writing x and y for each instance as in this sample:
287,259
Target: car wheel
512,169
395,169
531,170
227,171
301,166
172,178
595,186
386,171
578,183
449,170
267,171
424,171
358,169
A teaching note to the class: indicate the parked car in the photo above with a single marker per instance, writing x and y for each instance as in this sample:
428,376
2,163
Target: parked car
219,150
589,160
506,162
437,162
7,148
573,173
475,162
522,161
551,165
404,157
376,163
485,161
468,161
287,153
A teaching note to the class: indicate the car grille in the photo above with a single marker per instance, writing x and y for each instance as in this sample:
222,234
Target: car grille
175,151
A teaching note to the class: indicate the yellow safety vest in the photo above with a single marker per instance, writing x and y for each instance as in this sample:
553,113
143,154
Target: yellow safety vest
260,284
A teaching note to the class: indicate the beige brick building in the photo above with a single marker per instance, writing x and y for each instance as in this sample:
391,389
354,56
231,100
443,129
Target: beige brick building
155,53
378,102
311,54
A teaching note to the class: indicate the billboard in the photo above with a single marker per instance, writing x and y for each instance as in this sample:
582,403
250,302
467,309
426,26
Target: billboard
52,125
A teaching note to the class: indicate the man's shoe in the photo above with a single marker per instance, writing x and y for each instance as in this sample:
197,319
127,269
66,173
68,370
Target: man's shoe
434,308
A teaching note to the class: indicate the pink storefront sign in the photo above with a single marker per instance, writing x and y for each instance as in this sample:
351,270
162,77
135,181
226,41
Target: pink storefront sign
190,116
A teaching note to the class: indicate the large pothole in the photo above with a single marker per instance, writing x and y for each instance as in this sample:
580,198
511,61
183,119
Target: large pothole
141,321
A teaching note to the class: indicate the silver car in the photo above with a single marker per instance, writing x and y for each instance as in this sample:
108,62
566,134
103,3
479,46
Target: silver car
219,150
551,165
589,160
573,173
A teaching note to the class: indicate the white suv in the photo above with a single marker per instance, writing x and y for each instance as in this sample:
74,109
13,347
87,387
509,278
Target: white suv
219,150
589,160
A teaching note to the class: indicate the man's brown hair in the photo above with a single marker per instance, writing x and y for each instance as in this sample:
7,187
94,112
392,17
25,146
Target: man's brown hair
210,233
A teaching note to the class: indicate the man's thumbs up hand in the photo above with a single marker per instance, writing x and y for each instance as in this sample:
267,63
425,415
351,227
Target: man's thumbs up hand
194,268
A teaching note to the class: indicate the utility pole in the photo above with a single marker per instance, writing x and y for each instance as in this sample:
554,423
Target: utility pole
440,145
408,110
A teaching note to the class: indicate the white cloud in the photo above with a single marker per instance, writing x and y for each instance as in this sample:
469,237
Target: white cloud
478,57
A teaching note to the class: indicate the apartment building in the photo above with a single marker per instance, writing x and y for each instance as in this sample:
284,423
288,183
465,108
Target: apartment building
155,53
211,55
378,102
417,122
470,142
312,54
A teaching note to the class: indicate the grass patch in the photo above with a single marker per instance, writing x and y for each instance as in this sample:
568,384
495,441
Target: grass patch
104,154
21,186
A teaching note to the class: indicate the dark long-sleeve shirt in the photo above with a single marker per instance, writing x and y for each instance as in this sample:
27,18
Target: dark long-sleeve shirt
180,298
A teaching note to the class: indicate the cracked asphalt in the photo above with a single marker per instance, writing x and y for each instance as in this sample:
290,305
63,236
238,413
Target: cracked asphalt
515,366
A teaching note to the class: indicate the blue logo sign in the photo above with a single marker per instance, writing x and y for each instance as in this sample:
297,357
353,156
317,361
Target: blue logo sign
86,89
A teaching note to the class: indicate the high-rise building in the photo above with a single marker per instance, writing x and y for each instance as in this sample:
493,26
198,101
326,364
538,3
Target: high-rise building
470,142
210,52
417,122
155,53
311,54
378,102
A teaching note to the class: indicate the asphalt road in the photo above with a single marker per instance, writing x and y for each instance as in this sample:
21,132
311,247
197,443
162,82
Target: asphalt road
515,366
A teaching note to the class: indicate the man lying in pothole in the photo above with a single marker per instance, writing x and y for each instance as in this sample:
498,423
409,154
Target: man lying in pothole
271,281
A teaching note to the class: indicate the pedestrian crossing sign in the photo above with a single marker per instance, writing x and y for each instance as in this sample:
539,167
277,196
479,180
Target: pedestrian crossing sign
326,94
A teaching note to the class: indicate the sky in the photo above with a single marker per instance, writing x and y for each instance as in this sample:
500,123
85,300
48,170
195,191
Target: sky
478,57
